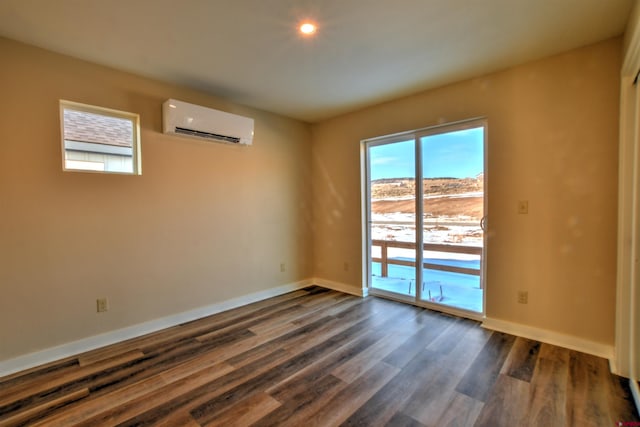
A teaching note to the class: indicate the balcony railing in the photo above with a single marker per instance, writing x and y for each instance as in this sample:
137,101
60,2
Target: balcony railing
385,260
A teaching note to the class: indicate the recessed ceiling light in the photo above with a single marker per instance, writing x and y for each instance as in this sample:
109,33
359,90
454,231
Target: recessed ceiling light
308,28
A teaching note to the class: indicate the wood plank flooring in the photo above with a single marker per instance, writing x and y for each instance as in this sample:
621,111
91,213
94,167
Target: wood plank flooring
316,357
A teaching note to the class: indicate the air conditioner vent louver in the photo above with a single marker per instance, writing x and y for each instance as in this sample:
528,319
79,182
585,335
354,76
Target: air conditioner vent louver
208,135
194,121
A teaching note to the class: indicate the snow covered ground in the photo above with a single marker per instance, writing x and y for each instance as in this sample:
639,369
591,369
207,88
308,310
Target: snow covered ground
441,287
400,227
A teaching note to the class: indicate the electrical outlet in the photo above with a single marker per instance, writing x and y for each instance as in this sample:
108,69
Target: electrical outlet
102,305
283,267
523,207
523,297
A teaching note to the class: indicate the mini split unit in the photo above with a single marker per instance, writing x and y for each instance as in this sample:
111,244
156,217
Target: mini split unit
194,121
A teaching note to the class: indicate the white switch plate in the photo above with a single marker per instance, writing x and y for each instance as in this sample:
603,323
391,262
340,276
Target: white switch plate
523,207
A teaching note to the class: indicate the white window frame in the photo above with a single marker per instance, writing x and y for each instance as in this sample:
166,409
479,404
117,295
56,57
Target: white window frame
107,112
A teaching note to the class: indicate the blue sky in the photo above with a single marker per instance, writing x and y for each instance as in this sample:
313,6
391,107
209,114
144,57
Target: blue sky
458,154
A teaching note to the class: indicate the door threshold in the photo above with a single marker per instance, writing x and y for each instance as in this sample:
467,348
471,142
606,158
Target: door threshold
409,299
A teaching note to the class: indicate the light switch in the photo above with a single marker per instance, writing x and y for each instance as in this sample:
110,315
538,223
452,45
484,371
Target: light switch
523,207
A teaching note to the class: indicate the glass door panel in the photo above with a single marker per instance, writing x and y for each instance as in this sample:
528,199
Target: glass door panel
392,216
453,209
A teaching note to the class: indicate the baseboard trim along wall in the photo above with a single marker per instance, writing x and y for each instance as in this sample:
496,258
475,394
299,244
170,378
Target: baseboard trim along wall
550,337
52,354
635,391
63,351
341,287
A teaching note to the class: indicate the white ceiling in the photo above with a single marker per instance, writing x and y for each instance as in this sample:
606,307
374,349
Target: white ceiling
365,51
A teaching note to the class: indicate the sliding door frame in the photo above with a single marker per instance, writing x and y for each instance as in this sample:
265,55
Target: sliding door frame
416,135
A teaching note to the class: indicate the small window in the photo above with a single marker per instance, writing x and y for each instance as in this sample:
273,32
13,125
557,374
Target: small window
96,139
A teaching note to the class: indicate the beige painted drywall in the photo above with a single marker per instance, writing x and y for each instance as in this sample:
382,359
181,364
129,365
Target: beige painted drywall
204,223
209,222
553,140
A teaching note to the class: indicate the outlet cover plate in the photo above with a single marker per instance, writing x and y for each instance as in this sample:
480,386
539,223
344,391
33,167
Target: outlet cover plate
102,305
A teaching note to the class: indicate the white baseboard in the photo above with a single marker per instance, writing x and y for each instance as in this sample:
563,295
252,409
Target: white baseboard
635,391
52,354
63,351
550,337
342,287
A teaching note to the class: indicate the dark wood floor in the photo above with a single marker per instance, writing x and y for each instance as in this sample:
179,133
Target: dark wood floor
321,358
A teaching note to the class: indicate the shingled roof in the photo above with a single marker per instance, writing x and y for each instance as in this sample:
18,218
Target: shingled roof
94,128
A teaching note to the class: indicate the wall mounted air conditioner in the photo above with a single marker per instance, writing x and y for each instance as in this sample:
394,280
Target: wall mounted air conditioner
194,121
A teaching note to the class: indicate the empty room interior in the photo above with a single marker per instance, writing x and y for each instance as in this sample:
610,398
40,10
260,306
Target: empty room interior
211,214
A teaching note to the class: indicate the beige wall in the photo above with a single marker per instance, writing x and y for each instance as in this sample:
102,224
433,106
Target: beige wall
209,222
204,223
553,140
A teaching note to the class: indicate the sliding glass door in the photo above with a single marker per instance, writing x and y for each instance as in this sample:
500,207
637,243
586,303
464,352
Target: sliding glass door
425,214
